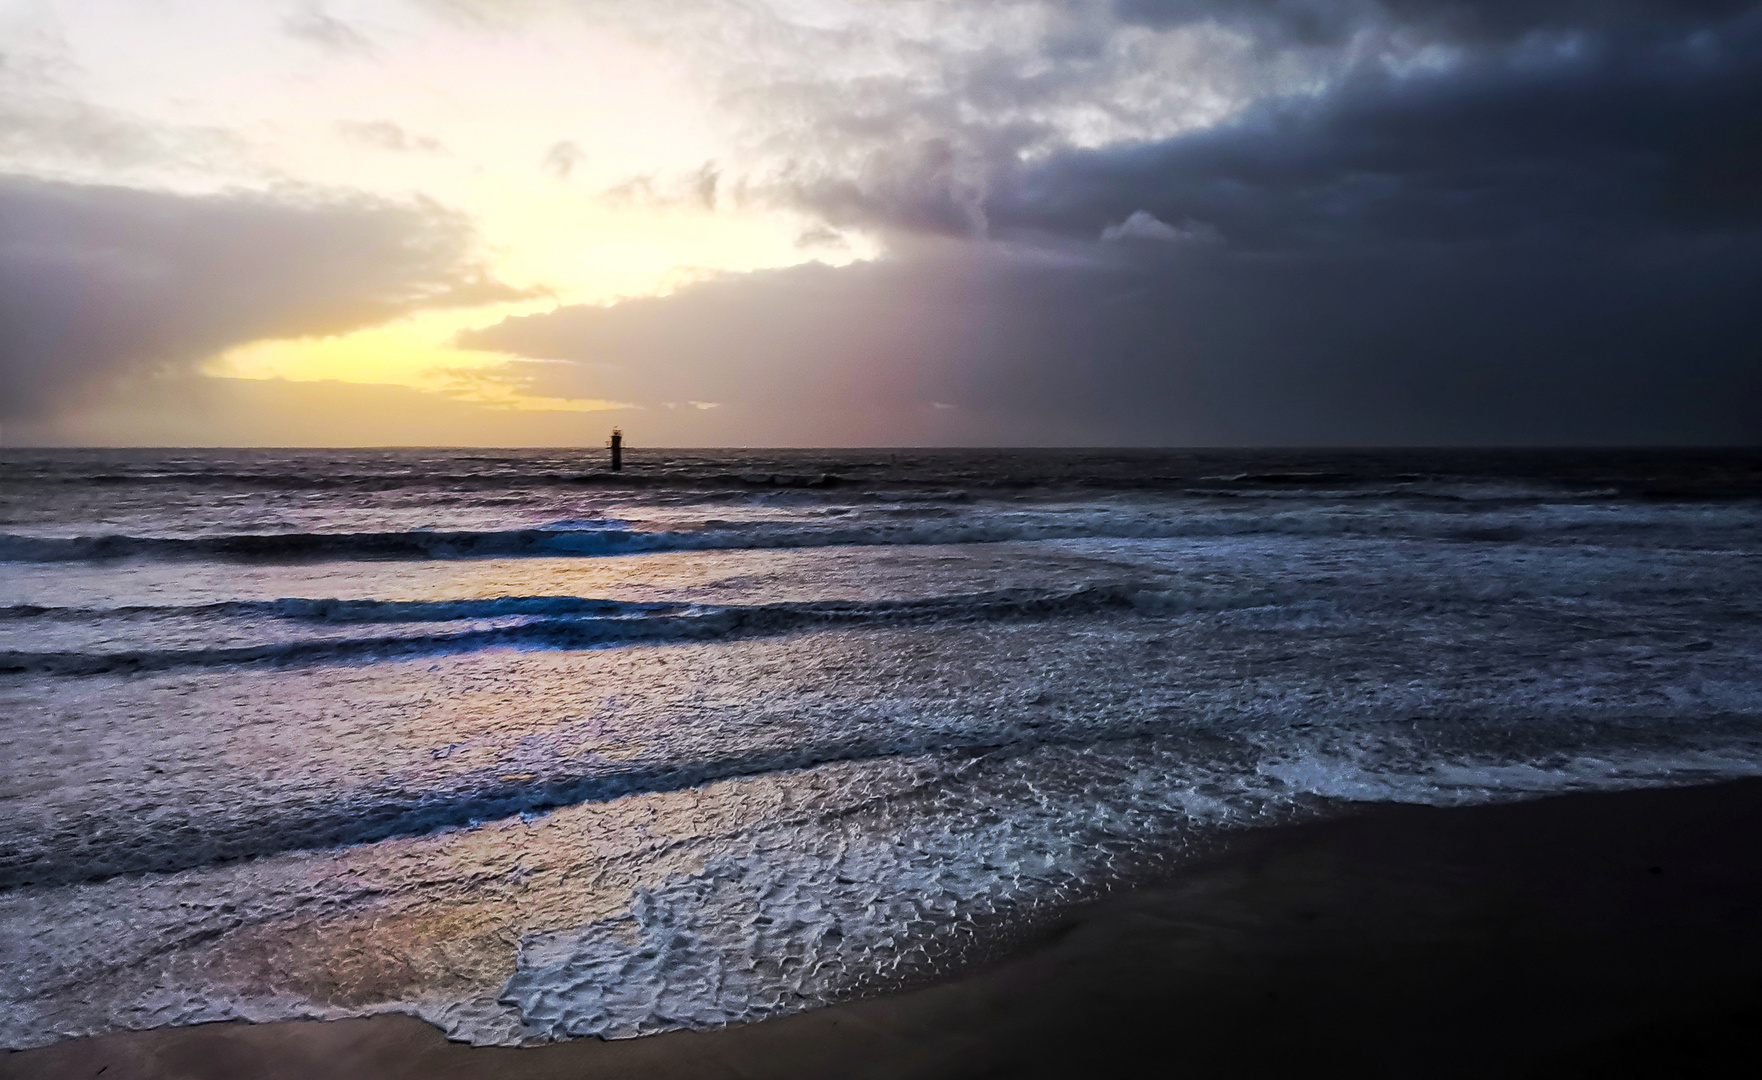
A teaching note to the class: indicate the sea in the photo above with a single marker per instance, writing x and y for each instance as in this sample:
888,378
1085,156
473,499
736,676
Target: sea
534,750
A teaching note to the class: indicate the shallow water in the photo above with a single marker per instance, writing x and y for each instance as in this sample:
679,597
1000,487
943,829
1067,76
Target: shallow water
536,751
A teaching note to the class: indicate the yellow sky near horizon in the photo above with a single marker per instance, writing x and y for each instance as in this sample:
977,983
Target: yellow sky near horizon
576,148
639,252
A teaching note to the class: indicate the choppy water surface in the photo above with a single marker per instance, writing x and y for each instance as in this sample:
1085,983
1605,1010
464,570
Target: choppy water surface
535,751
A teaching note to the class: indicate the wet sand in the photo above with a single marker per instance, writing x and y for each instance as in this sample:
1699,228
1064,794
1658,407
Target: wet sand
1586,935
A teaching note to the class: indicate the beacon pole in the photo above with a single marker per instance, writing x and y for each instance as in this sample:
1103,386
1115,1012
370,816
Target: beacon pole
617,445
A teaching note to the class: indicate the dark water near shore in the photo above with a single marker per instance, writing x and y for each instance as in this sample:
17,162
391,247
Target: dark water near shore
535,751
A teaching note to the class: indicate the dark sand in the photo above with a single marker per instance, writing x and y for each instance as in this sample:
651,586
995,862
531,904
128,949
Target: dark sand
1590,935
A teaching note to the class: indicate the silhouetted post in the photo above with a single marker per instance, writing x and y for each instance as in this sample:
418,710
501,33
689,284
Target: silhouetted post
617,445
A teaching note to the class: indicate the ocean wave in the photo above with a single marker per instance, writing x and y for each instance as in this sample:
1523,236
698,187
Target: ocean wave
1442,763
436,480
373,815
615,538
304,546
376,813
334,610
564,622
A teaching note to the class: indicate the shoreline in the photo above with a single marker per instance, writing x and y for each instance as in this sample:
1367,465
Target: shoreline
1588,934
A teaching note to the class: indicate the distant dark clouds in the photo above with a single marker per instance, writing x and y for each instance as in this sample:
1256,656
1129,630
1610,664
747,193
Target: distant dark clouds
98,280
1191,344
818,355
1547,229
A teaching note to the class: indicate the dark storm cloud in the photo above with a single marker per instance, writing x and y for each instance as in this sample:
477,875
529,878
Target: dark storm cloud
1561,111
1557,115
931,186
1567,137
1192,344
96,280
1332,21
814,354
1550,234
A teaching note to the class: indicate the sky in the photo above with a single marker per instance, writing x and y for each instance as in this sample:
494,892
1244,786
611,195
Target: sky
880,222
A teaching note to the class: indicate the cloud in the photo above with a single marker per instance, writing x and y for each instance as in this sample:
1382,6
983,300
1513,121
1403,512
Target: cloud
386,135
1547,235
312,24
698,188
1653,129
819,236
897,116
1472,22
704,183
1520,341
47,128
44,124
977,119
1174,221
997,117
1143,225
191,410
804,355
99,281
562,157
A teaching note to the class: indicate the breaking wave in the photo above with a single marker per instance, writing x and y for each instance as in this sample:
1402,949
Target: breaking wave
559,622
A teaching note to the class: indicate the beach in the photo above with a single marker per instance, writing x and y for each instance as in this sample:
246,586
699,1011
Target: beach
1603,934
